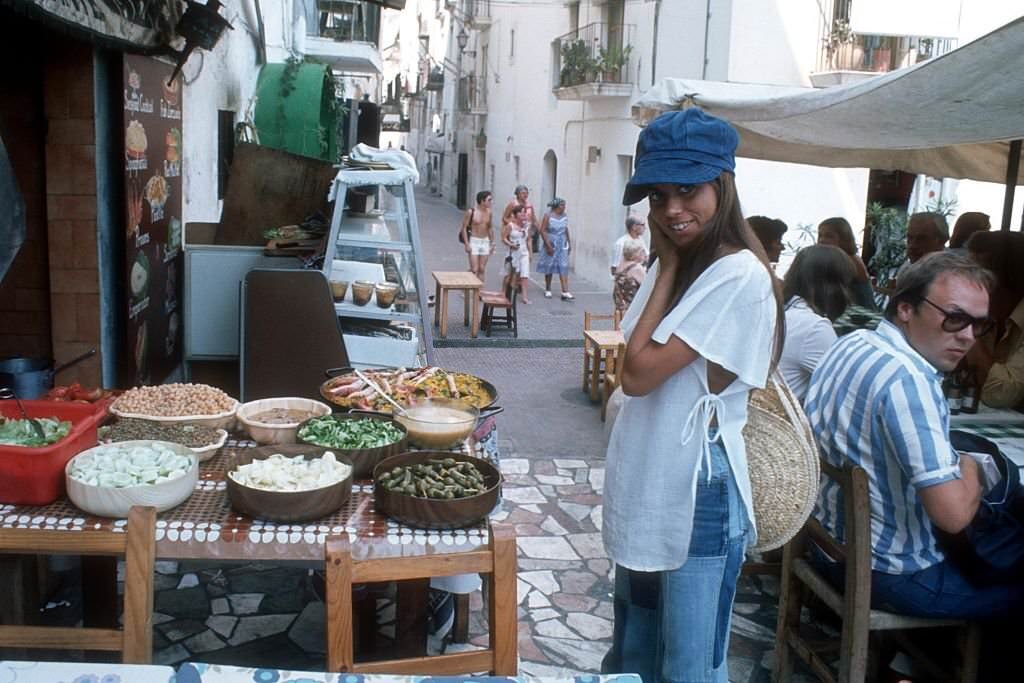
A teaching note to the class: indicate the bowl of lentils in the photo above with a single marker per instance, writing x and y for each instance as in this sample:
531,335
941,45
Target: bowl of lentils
200,439
179,403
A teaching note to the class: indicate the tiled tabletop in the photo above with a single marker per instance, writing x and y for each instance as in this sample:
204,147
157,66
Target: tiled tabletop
206,527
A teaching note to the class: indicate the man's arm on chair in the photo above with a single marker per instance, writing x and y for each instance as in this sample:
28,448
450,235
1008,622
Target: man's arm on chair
951,505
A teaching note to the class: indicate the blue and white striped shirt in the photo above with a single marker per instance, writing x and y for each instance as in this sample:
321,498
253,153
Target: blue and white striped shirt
874,401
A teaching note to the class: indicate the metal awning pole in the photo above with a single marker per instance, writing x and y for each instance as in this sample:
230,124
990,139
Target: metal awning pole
1012,164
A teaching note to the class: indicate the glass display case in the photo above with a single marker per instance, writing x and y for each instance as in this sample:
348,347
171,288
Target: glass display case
374,243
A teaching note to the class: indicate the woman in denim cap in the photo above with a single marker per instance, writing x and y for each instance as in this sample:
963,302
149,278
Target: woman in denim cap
704,329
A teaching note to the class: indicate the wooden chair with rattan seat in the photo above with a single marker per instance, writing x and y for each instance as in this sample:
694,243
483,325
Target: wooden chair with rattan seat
500,301
588,349
853,603
138,546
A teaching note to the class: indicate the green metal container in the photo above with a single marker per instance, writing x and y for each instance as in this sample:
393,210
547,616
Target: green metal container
296,109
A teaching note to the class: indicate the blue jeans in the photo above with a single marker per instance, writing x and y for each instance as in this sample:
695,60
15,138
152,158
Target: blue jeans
673,626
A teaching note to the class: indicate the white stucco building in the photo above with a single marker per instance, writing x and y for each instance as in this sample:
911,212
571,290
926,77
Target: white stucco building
220,84
541,94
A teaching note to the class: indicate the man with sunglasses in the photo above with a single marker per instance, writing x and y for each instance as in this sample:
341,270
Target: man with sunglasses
875,400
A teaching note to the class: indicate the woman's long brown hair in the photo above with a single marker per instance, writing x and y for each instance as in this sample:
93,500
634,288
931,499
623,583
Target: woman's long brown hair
727,228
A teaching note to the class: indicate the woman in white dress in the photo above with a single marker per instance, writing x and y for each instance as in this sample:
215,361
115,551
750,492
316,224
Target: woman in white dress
703,330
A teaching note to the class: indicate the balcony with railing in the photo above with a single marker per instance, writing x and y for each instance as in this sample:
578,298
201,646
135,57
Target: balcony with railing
595,60
344,34
472,95
478,13
845,55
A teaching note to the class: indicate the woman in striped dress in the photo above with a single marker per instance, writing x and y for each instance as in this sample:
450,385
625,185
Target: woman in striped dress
554,231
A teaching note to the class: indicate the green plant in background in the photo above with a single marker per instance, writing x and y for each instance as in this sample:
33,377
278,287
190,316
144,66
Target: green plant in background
889,237
578,64
612,60
803,235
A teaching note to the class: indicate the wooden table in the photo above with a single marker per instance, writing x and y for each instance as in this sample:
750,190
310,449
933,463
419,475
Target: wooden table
470,285
603,341
358,544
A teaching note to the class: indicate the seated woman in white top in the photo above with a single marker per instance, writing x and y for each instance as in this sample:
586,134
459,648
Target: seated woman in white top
816,290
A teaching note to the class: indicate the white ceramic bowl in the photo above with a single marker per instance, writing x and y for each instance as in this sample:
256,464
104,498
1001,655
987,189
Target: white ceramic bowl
204,453
267,434
223,420
105,501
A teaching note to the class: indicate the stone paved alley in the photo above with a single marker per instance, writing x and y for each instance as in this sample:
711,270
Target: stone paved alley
552,446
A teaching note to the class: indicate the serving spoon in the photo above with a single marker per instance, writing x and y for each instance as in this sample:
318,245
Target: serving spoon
373,385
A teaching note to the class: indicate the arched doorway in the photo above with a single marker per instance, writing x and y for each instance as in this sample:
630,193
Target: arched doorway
549,179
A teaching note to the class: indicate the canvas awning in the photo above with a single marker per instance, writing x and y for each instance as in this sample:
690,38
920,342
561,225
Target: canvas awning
953,116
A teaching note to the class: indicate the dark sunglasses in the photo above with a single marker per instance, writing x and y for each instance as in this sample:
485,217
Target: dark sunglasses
958,320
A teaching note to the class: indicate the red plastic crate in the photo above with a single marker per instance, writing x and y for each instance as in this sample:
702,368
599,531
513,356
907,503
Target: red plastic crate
35,476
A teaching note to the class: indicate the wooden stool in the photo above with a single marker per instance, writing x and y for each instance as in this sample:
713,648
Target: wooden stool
470,285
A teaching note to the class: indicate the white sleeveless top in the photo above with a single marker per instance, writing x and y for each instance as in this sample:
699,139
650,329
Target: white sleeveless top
659,440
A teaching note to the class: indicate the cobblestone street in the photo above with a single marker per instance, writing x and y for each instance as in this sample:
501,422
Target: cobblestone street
552,448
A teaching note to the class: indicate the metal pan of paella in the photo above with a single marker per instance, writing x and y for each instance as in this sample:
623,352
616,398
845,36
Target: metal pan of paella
405,385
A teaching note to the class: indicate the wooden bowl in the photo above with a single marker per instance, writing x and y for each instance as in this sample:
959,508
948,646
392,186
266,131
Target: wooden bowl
429,513
286,506
265,433
106,501
364,459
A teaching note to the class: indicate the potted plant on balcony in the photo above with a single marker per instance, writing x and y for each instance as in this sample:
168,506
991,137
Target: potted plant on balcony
578,65
612,60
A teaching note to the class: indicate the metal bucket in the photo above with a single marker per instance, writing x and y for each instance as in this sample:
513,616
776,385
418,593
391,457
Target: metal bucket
30,378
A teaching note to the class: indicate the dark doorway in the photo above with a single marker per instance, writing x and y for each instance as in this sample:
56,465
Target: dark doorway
463,179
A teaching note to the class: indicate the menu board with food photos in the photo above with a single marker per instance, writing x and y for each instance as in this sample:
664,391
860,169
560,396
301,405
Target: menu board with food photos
153,196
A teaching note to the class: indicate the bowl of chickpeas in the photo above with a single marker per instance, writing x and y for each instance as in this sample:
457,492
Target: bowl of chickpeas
178,403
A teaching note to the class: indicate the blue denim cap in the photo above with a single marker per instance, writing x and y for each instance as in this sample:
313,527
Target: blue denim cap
685,147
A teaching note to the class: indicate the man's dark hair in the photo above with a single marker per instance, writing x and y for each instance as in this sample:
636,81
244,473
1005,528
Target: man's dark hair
482,195
913,285
768,230
632,220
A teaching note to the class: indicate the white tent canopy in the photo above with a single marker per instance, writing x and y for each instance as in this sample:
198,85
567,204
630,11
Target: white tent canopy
953,116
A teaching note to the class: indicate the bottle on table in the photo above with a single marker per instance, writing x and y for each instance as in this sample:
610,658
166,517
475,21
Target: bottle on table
970,392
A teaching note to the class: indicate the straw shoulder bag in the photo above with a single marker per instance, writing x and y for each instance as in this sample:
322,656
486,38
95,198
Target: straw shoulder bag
782,458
